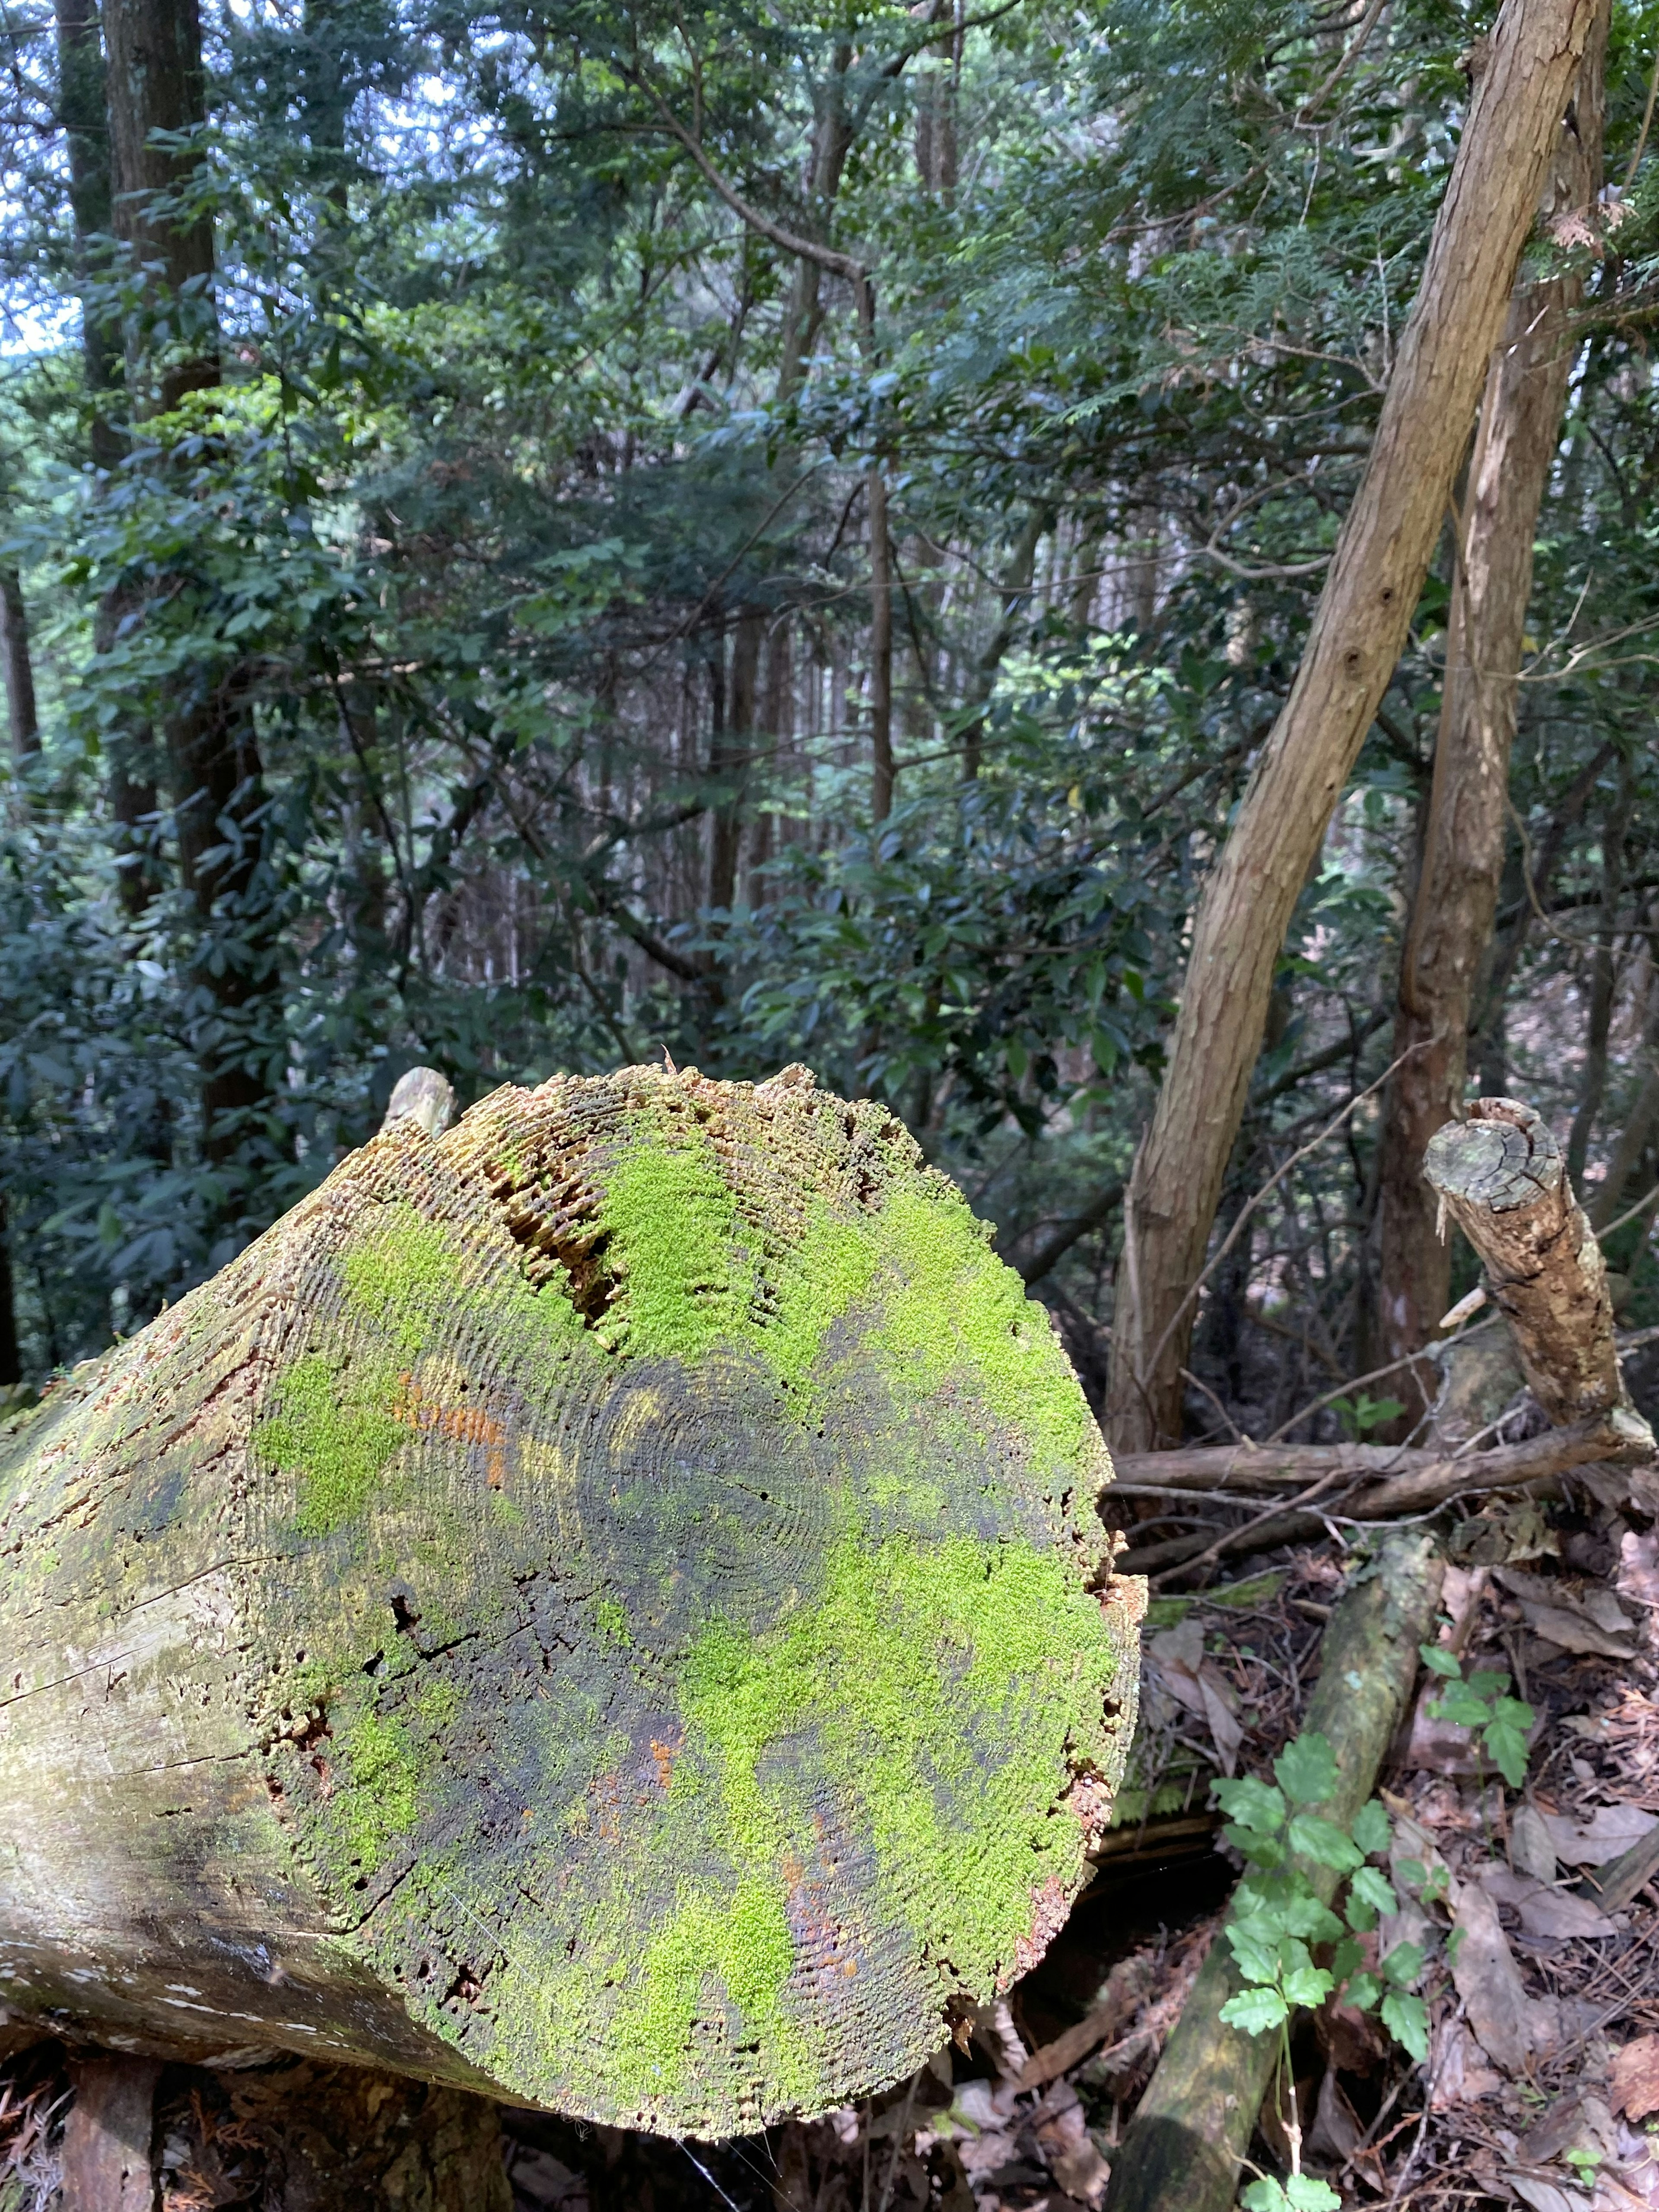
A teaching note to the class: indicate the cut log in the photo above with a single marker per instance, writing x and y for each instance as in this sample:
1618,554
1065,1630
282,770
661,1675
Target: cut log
106,2134
1500,1176
604,1607
1184,2147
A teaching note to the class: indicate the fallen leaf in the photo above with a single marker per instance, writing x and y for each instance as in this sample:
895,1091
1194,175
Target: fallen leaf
1509,2025
1177,1657
1544,2195
1545,1911
1458,2068
1531,1851
1336,2132
1062,2131
1611,1829
1633,2078
1571,1629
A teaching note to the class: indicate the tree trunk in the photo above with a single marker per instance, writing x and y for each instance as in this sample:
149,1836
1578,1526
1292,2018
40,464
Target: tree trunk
1604,978
1375,574
881,648
1184,2147
1456,892
605,1607
731,753
20,670
156,88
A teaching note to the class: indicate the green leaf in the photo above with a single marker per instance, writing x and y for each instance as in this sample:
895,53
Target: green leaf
1307,1985
1371,1829
1362,1991
1254,1952
1305,2192
1507,1748
1403,1965
1437,1660
1260,1850
1264,2196
1376,1889
1407,2019
1254,2011
1251,1804
1346,1957
1412,1873
1324,1843
1307,1769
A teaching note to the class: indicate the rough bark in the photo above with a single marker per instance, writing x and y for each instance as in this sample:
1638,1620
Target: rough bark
157,96
1186,2142
605,1607
1500,1176
106,2134
1375,574
1462,858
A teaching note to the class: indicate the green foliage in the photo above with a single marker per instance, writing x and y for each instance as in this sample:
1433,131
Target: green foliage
1277,1919
1481,1703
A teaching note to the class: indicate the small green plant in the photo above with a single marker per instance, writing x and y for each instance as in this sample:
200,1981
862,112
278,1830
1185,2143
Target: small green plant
1584,2162
1279,1918
1481,1702
1301,2192
1359,1415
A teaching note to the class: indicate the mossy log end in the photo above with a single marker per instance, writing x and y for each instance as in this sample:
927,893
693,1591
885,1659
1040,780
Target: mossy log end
1501,1177
605,1607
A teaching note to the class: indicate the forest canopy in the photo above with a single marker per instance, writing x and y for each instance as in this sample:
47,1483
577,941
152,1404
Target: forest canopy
544,537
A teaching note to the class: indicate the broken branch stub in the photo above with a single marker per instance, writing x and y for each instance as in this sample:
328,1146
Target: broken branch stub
1501,1178
605,1606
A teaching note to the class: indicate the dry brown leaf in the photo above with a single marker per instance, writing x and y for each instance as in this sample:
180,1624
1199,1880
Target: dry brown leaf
1638,1567
1509,2025
1545,1911
1633,2078
1611,1830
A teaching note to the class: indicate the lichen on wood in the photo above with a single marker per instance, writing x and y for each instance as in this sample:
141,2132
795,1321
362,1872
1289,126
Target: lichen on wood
606,1606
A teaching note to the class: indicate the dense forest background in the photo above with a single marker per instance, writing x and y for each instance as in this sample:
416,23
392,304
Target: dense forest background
540,537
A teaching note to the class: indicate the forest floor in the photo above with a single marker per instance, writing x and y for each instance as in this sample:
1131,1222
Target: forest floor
1542,2079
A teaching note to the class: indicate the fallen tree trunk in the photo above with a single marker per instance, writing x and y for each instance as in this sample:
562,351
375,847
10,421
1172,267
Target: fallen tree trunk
1186,2142
604,1608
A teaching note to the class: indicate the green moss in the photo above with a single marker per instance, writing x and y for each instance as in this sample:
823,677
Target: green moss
379,1800
831,1268
672,1223
940,1686
334,1429
404,1279
956,1304
437,1702
611,1619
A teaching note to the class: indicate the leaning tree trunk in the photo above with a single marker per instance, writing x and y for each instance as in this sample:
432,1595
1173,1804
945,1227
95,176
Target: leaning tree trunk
604,1606
1370,591
1462,859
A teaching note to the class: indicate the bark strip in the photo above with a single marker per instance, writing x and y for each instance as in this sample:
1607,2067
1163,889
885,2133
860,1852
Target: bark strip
1185,2146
